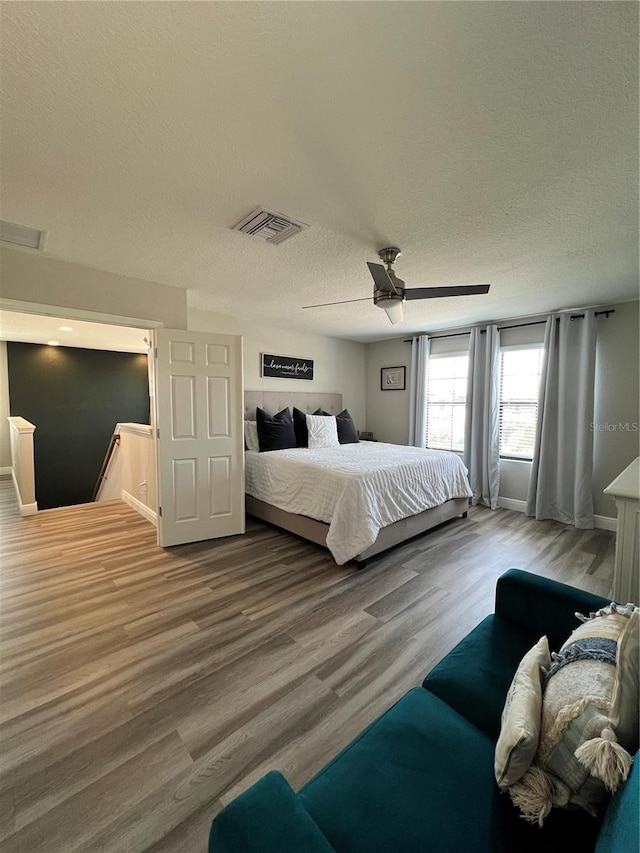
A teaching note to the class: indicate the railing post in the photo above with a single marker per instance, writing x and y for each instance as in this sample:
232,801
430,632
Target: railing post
22,464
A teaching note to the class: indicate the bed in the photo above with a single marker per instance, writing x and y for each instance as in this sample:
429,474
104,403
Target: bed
357,500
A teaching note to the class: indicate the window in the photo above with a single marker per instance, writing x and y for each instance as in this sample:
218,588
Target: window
519,384
446,398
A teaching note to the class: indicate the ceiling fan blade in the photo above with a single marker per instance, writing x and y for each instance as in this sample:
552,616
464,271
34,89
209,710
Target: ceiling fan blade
436,292
381,278
398,283
393,307
342,302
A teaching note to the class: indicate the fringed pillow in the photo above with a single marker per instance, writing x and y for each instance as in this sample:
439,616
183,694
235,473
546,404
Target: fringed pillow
589,717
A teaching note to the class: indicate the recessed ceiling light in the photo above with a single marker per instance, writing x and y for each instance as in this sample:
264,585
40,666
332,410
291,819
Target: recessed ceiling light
53,343
66,329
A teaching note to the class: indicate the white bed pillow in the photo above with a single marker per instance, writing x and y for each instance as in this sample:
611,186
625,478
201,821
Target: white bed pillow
251,436
323,431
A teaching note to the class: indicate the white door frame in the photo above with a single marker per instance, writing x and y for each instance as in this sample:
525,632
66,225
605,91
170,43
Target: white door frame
76,314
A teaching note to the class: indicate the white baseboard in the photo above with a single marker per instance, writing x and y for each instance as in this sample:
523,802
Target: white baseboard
143,509
25,509
15,486
511,503
6,472
602,522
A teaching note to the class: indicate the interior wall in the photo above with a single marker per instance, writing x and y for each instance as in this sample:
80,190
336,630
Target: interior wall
74,397
132,469
388,411
339,365
5,441
34,277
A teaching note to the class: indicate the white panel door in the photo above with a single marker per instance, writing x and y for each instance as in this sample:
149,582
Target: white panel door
200,436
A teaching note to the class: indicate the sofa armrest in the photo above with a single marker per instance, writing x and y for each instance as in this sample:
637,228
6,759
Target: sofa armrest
265,818
541,605
621,828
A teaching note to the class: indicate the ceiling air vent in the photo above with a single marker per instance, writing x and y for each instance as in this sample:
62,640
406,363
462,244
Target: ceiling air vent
269,226
20,235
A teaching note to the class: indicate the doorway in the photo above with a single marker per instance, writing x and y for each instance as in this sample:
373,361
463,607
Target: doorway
198,458
74,380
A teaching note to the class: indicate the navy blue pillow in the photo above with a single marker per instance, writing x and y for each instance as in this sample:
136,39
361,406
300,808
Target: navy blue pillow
275,433
347,432
300,426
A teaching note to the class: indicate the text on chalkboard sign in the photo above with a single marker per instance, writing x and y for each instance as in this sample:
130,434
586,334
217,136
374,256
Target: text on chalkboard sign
286,367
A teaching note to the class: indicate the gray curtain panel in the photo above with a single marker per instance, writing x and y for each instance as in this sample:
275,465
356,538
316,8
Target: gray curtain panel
418,391
482,425
560,484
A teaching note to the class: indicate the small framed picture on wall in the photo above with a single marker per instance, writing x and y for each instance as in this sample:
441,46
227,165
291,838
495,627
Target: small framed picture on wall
393,378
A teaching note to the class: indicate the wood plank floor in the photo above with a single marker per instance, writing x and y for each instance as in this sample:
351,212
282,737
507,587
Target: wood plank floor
143,689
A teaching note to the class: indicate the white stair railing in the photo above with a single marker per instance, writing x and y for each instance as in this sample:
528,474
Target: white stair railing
22,464
130,474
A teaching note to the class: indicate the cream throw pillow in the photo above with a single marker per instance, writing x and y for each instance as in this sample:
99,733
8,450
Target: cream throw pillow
522,717
323,431
251,436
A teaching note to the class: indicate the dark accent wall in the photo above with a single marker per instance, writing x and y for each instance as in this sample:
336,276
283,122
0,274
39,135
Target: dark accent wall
75,397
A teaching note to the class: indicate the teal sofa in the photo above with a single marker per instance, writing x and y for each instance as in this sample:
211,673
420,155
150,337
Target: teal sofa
420,778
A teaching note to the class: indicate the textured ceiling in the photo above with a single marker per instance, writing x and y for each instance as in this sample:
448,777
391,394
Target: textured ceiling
493,142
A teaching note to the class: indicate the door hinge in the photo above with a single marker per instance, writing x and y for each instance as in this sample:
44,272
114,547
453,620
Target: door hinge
155,352
158,432
160,511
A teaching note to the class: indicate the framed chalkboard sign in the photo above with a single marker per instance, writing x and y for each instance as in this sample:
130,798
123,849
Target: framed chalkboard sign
286,367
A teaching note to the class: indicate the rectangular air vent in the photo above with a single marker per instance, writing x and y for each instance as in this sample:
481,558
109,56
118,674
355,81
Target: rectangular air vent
20,235
269,226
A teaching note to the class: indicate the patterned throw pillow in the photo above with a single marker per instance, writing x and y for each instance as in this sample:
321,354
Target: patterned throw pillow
323,431
589,718
522,716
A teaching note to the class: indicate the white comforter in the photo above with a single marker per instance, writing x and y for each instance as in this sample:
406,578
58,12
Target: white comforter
356,488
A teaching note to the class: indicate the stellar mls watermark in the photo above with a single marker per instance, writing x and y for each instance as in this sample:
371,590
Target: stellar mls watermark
629,426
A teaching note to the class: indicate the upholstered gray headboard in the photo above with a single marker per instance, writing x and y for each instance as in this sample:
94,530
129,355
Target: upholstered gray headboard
275,401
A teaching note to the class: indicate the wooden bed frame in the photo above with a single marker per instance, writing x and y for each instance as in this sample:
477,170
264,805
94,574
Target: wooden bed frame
316,531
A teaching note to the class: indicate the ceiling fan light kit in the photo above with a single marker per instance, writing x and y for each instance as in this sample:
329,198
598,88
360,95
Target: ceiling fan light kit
393,307
389,291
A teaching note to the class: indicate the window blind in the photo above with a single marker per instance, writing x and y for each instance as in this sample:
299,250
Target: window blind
520,370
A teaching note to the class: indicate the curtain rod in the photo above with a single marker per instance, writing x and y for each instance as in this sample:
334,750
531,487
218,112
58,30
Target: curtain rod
515,326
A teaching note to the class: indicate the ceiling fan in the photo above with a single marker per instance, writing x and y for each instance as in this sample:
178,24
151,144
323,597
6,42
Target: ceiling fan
389,291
